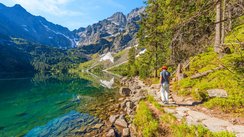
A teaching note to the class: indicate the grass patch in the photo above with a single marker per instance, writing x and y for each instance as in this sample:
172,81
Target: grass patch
184,130
146,124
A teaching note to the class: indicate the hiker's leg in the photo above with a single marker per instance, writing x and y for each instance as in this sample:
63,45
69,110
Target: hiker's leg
164,92
167,92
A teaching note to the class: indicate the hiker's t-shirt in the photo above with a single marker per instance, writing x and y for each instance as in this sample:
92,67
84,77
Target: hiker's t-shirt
165,76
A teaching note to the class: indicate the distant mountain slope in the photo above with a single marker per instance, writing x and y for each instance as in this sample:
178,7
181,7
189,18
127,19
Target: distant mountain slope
21,56
111,34
17,22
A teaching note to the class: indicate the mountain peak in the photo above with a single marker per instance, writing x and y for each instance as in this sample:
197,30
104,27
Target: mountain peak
118,18
18,7
2,6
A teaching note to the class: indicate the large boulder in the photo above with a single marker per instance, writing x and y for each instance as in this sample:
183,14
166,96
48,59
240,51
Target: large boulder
217,93
125,91
121,122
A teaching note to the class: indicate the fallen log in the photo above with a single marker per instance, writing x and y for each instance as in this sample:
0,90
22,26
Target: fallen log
198,75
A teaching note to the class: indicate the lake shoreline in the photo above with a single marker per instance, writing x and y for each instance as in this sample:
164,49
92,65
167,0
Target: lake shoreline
118,118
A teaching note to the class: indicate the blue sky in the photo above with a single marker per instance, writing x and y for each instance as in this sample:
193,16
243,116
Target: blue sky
75,13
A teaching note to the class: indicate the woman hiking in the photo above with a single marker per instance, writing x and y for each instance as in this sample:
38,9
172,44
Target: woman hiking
164,83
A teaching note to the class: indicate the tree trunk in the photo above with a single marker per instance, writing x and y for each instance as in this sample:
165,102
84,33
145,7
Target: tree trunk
217,43
223,24
229,18
156,61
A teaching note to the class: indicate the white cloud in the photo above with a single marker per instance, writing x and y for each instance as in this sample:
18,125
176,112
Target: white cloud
54,7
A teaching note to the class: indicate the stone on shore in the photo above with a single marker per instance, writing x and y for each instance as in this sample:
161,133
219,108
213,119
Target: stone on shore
121,122
111,133
98,126
113,118
124,91
217,93
126,132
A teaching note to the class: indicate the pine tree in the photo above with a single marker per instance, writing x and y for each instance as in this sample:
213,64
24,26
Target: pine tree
150,36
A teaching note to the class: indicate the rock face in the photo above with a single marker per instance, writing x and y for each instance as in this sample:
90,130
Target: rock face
111,34
124,91
217,93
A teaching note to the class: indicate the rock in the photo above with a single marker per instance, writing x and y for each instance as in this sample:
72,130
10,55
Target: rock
155,86
138,87
126,132
121,122
215,124
129,111
123,104
217,93
113,118
111,133
121,99
182,109
240,135
197,115
236,129
124,91
191,121
122,116
137,99
168,110
97,126
129,105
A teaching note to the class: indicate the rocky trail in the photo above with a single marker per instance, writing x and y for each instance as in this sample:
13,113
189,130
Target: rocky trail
186,108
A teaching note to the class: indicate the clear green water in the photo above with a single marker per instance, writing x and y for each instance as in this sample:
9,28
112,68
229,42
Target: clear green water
27,103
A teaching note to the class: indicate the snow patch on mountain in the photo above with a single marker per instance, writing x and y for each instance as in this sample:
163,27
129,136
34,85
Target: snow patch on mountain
73,43
107,56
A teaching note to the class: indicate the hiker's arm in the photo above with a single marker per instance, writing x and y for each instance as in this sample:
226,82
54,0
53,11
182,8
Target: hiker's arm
160,79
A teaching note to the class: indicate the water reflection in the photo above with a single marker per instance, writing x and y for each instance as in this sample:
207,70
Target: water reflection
33,102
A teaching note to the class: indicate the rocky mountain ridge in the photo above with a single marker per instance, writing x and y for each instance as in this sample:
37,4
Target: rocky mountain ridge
111,34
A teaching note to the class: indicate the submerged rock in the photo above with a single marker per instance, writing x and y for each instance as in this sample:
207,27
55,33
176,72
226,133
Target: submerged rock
62,126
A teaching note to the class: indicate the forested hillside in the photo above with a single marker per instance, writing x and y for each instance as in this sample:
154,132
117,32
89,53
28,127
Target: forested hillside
21,56
201,42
